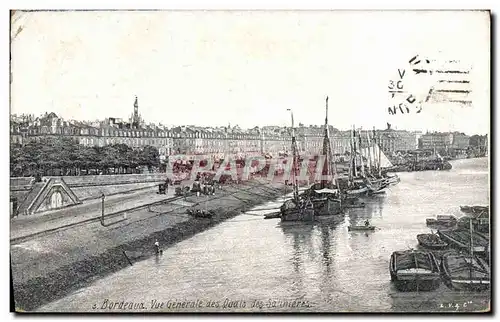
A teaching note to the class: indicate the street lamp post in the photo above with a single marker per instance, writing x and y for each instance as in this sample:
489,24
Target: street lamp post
102,208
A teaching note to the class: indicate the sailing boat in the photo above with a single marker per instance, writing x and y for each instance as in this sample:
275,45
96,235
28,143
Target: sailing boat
296,209
377,180
466,272
356,183
325,195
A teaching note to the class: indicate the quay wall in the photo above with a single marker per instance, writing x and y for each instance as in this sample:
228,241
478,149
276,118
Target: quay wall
43,277
101,180
93,186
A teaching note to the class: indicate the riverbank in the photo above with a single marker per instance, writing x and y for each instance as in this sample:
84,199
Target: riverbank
50,267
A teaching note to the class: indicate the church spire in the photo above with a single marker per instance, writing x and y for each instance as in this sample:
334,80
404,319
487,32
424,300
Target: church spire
135,117
326,118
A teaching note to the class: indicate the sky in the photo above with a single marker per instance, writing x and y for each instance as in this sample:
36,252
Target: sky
214,68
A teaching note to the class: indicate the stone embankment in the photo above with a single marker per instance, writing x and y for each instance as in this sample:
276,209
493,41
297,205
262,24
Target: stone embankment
51,266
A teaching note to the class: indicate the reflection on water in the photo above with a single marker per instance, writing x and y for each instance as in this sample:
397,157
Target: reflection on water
333,269
372,209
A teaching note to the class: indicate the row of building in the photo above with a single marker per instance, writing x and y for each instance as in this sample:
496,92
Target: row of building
217,141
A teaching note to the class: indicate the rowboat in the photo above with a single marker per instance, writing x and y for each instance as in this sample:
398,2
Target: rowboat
350,228
431,241
414,270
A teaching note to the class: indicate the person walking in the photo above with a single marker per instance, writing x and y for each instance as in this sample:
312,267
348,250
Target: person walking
157,246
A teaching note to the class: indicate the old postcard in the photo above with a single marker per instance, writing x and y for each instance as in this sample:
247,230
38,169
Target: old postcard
250,161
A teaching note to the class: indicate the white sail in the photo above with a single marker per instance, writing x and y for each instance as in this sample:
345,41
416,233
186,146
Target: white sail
374,153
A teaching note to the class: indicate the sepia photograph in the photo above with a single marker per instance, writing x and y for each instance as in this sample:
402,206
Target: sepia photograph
250,161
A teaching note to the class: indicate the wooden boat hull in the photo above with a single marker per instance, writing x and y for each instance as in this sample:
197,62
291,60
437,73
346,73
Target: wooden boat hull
433,247
419,284
431,221
478,281
272,216
356,206
355,192
360,228
474,209
468,285
378,185
289,211
298,215
427,281
325,207
452,239
441,222
382,192
427,243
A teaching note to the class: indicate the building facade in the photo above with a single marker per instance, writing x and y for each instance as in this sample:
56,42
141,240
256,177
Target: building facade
460,141
441,142
221,141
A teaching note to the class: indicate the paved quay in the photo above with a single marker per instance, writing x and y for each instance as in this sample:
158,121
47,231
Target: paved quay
29,225
49,265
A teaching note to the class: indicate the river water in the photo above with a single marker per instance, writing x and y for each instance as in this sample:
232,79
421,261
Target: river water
256,265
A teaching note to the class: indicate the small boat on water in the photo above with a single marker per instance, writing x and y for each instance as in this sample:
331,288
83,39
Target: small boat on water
480,222
351,228
465,272
431,241
272,215
442,220
474,209
460,239
413,270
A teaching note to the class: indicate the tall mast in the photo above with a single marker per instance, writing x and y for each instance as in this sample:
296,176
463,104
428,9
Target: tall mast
355,153
361,155
327,150
369,152
295,161
351,160
379,159
375,159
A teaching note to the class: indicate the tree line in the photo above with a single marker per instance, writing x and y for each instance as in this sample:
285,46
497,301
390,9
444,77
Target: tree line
65,156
